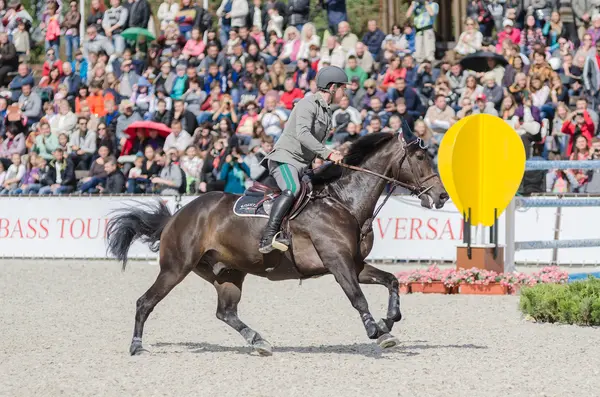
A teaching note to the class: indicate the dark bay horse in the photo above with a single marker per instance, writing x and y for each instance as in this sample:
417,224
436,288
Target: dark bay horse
207,238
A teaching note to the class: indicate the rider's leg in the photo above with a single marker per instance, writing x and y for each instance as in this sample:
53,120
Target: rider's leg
287,178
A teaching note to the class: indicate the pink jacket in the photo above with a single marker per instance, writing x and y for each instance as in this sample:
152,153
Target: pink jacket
514,36
194,48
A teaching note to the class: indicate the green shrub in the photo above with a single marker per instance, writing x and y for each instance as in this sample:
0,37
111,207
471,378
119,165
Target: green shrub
574,303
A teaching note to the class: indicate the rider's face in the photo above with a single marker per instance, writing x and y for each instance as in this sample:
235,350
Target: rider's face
339,92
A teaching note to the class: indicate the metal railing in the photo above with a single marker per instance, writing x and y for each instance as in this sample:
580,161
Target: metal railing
539,201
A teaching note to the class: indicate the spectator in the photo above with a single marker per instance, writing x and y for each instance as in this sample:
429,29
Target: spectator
373,39
22,41
291,46
483,106
191,164
353,70
46,142
344,116
115,181
439,116
9,60
232,14
336,13
60,177
13,176
346,38
508,33
308,37
371,91
30,104
125,119
98,174
272,118
95,43
114,22
161,114
170,178
24,76
30,183
82,145
187,118
393,72
178,139
298,13
291,94
96,14
424,19
492,91
333,53
256,153
591,74
65,121
234,172
411,99
140,183
470,39
578,123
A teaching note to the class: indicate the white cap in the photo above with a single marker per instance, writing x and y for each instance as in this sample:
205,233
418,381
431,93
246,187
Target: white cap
508,22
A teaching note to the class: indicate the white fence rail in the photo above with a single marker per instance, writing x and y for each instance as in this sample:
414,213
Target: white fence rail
572,221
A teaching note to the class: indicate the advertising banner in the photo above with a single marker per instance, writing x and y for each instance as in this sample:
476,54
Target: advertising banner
75,227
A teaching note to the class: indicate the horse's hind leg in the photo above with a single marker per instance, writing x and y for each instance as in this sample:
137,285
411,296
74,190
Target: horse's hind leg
372,275
170,275
229,292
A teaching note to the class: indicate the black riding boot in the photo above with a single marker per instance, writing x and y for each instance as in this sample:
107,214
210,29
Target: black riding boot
271,238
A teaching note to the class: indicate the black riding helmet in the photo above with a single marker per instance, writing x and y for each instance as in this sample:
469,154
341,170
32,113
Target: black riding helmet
331,75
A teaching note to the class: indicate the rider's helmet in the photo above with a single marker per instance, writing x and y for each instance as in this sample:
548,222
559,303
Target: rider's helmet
331,75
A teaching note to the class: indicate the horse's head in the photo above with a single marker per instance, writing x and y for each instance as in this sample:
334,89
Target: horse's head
414,166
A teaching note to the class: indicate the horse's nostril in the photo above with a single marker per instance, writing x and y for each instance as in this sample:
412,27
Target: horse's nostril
444,196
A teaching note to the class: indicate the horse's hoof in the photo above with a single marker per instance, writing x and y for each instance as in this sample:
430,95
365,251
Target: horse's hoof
138,350
387,341
263,348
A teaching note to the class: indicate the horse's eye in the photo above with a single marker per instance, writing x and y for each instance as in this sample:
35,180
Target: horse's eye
420,156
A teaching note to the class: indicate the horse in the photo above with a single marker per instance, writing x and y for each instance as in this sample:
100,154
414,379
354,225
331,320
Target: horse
331,235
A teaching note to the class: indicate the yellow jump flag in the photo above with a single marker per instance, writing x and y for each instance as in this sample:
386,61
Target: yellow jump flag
481,161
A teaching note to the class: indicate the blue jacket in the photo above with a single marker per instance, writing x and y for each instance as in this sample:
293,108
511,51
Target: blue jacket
18,82
234,177
208,79
83,69
373,40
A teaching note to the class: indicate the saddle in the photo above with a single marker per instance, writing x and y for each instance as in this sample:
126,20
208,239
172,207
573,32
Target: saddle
257,199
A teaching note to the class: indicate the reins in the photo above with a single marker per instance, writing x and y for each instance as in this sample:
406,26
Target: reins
418,190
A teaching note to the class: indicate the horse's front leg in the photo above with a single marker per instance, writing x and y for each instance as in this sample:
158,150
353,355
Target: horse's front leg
343,269
372,275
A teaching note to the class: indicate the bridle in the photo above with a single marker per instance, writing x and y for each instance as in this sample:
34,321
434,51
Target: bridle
419,189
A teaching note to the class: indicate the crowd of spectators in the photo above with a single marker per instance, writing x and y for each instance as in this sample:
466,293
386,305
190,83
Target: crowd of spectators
224,84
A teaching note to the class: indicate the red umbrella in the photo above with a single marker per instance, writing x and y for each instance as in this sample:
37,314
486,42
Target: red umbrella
146,126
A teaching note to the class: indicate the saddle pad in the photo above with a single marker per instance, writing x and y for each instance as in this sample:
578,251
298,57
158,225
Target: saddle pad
252,206
257,207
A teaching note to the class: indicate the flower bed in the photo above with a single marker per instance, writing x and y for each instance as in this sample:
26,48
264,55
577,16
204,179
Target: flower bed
475,281
574,303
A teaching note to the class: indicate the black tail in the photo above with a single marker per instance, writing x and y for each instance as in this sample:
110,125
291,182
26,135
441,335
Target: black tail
144,221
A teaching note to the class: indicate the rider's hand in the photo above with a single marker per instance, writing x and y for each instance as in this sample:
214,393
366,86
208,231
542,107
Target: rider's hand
336,157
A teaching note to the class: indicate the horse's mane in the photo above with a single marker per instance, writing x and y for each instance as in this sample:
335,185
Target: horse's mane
365,146
358,152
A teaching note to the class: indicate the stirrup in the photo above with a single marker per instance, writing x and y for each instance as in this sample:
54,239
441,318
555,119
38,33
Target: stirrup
275,245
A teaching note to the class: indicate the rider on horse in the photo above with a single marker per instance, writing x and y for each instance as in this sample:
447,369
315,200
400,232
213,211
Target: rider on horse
299,144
